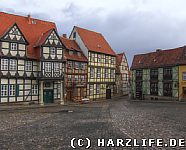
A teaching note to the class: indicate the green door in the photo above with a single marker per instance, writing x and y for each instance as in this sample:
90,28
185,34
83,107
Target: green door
48,96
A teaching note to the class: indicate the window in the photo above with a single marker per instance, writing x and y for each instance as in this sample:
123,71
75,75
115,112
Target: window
70,52
82,78
167,89
70,65
167,73
74,35
98,72
56,67
154,74
112,60
112,74
47,66
99,58
4,64
76,65
28,65
13,46
52,50
92,57
76,78
35,89
4,90
11,90
184,76
82,65
91,90
13,64
139,74
69,77
91,72
98,89
107,59
154,88
106,73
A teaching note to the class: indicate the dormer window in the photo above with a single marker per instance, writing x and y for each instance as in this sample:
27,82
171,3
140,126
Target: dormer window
78,53
13,46
70,52
52,51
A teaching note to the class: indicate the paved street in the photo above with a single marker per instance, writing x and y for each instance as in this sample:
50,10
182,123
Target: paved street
54,127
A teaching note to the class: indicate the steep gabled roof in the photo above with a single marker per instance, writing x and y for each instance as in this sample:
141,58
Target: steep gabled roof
72,45
119,58
160,58
95,41
31,28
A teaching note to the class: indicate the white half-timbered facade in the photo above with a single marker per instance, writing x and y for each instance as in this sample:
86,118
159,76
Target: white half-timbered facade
31,60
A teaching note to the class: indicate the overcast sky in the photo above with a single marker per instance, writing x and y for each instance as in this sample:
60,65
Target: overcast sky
133,26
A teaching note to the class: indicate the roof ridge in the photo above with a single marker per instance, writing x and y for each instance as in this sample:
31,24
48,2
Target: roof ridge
88,30
24,16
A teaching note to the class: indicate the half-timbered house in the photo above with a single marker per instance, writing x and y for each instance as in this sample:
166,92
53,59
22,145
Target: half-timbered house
160,75
122,74
101,62
31,60
75,71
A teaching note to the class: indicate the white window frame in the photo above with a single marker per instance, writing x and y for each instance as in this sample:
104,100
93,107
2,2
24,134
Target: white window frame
82,78
112,73
52,51
13,46
77,65
184,76
34,89
12,90
4,64
91,72
13,64
56,67
4,90
28,65
91,90
69,77
112,60
106,73
92,57
48,66
99,58
98,87
99,73
76,78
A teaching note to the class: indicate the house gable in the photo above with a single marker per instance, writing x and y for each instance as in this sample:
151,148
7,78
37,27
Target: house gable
14,34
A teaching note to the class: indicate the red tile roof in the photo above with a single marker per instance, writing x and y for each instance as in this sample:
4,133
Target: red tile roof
95,41
31,31
160,58
72,45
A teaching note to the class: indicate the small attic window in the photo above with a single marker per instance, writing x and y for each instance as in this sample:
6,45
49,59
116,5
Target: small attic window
99,46
33,21
74,35
78,53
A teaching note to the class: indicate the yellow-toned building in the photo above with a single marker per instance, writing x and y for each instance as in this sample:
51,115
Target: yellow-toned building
182,82
101,62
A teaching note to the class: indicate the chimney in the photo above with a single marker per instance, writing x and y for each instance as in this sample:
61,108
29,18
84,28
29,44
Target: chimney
29,19
158,50
65,35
